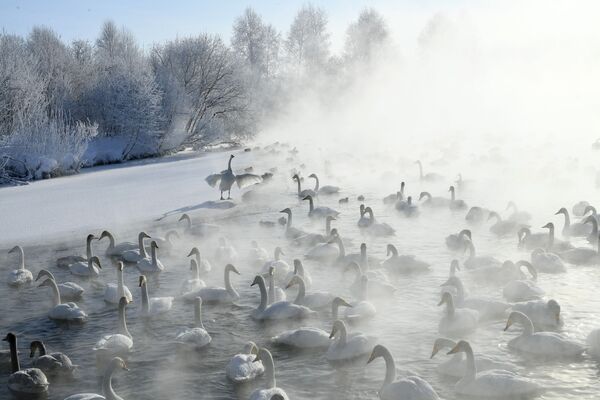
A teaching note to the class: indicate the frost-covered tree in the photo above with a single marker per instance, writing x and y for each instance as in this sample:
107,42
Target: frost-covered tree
307,42
366,36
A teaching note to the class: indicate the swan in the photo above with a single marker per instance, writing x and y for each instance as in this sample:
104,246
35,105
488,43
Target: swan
67,290
242,367
431,201
475,262
458,241
225,252
593,342
592,210
64,262
314,300
227,178
114,292
116,250
343,258
275,292
593,236
346,348
503,227
327,189
88,269
580,208
279,310
487,308
211,294
50,364
429,177
454,266
361,309
200,229
309,337
190,285
401,203
545,261
153,306
523,289
522,217
363,221
299,270
543,314
19,276
454,203
403,264
29,381
534,240
544,344
456,366
196,337
151,265
165,243
395,197
378,228
271,390
63,311
107,389
410,210
580,229
303,193
491,383
291,232
581,255
477,215
257,255
409,387
116,344
319,212
281,268
325,252
201,262
135,255
456,321
375,285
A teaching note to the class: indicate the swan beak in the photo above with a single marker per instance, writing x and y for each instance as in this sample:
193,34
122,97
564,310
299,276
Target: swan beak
508,324
434,352
372,357
453,351
125,367
447,283
441,302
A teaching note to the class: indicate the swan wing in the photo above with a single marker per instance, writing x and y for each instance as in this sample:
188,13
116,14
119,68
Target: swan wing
213,180
244,180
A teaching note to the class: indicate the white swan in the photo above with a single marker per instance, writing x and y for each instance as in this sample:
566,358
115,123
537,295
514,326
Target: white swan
116,249
19,276
543,314
151,265
314,300
327,189
593,342
376,285
68,290
376,228
433,201
51,364
542,344
199,229
63,311
107,389
279,310
275,292
409,387
65,262
346,348
89,269
456,366
545,261
456,321
361,309
196,337
475,262
523,289
503,227
134,255
291,232
319,212
116,344
153,306
582,255
257,255
166,243
487,308
271,390
491,383
243,366
203,264
458,241
327,251
456,204
299,270
190,285
518,216
403,264
578,229
212,294
302,193
429,177
227,178
477,215
29,381
363,221
225,252
539,239
114,291
281,268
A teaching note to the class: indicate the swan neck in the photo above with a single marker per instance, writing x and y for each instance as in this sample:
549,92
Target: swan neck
230,289
420,170
527,325
122,322
341,248
289,220
311,205
107,384
55,292
270,372
299,187
316,183
22,256
14,357
390,368
472,252
111,244
145,305
198,315
88,246
301,292
327,226
141,246
229,164
450,309
120,285
271,289
153,255
567,220
471,369
342,335
263,295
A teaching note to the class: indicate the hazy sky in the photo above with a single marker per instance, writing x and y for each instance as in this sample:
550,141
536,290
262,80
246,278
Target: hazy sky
155,21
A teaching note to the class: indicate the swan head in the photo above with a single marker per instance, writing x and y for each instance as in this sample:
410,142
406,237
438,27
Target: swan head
402,184
588,209
423,194
461,346
465,232
123,302
231,156
514,317
143,235
95,260
441,343
451,189
362,209
529,267
34,346
10,338
286,211
296,177
562,211
313,176
184,217
118,362
330,218
549,225
231,268
120,266
104,234
363,247
446,298
258,280
251,348
47,282
338,326
307,197
16,248
142,281
338,302
378,351
44,272
154,245
296,280
554,307
194,252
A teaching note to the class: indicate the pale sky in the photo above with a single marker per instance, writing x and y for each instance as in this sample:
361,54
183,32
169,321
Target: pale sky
156,21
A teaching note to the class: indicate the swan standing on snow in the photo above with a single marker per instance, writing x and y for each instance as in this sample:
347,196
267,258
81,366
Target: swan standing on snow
319,212
279,310
151,265
65,262
243,366
314,300
545,261
327,189
543,314
153,306
410,387
200,229
19,276
196,337
135,255
203,264
456,321
116,344
458,241
212,294
580,229
51,364
67,290
347,348
89,269
227,178
271,390
543,344
107,389
190,285
29,381
456,366
114,292
429,177
403,264
492,383
69,312
116,250
523,289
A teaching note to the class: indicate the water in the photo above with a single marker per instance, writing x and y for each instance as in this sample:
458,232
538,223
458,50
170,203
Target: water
406,324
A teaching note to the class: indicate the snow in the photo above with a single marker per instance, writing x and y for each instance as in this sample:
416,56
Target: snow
109,197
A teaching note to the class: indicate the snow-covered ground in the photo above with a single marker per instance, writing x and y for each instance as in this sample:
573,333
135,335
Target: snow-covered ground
109,197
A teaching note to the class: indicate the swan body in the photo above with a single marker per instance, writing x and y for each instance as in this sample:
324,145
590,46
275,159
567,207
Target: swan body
271,390
487,308
477,215
114,291
543,314
314,300
211,294
291,232
191,285
545,261
299,270
279,310
458,241
345,348
117,249
403,264
19,276
196,337
67,290
134,255
376,285
151,265
522,217
475,262
579,208
29,381
319,212
327,189
303,193
243,367
201,262
118,344
581,255
63,311
576,229
377,228
433,201
202,229
51,364
429,177
155,306
89,269
114,364
456,321
166,243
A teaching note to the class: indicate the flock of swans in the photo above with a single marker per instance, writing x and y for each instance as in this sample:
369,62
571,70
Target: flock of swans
524,305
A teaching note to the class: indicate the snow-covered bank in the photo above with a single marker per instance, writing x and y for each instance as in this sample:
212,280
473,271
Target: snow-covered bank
109,196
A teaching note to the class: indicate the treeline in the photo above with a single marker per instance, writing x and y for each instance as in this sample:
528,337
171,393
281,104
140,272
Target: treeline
66,105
